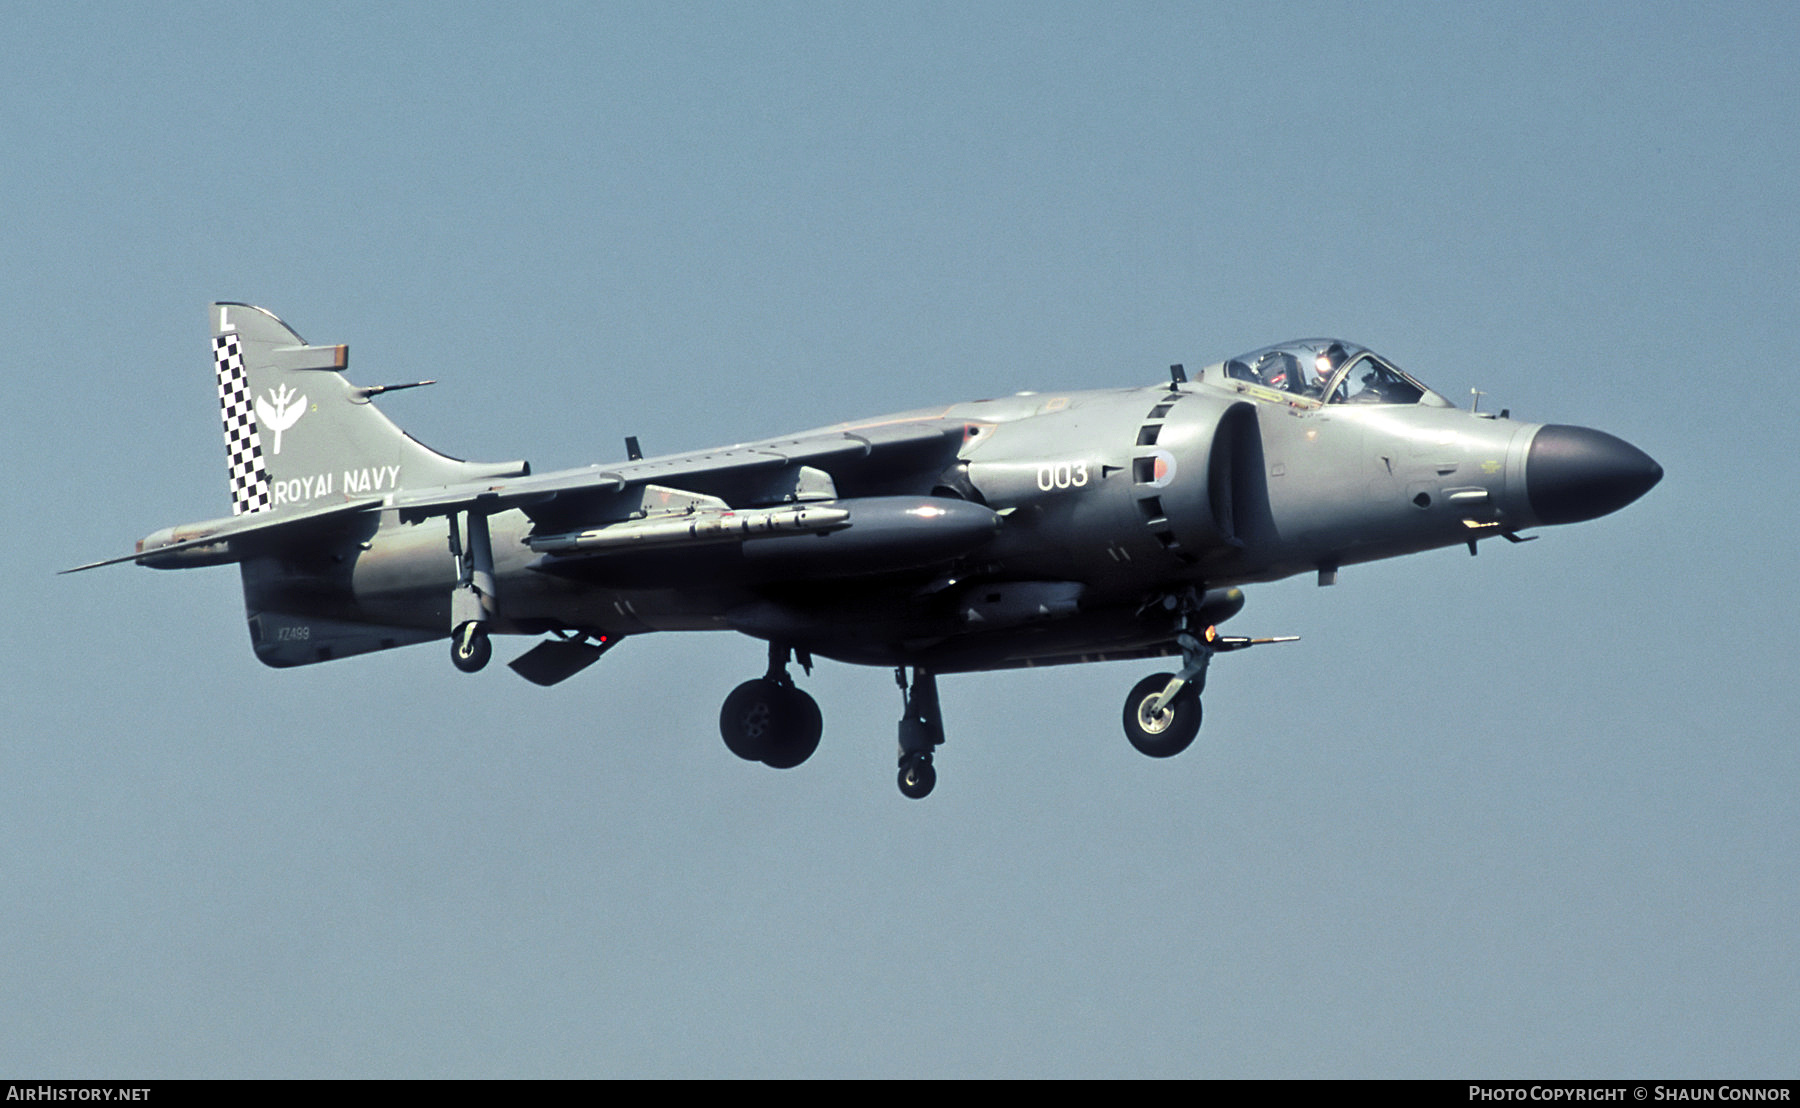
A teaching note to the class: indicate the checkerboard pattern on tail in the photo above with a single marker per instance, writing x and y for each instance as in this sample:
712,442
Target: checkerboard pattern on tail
243,447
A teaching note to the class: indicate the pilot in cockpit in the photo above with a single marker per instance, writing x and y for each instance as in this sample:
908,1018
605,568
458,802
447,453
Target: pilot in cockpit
1307,368
1325,365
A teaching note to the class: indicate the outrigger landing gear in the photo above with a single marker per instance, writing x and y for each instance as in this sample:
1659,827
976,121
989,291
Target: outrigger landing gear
770,721
921,730
470,647
472,600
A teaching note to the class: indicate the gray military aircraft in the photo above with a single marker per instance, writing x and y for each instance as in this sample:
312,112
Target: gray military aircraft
1026,531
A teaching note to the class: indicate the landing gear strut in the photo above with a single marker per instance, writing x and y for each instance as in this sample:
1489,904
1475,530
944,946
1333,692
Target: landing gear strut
1162,714
770,721
472,600
921,730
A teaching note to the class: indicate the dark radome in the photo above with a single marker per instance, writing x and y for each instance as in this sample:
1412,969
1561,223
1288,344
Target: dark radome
1577,473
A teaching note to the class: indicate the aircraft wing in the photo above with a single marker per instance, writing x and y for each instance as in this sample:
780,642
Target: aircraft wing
768,499
816,466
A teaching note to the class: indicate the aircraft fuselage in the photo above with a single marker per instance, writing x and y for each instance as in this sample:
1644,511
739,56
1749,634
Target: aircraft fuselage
1106,498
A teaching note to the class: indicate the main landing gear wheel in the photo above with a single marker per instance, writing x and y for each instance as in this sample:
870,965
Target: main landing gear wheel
1166,733
917,777
772,723
470,647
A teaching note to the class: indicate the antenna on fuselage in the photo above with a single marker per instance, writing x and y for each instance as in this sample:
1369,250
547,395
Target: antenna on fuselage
1475,405
1177,376
362,394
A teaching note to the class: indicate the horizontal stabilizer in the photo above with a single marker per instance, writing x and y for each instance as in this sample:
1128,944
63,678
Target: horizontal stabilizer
225,541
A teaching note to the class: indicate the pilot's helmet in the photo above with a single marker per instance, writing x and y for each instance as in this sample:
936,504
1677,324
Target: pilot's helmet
1328,361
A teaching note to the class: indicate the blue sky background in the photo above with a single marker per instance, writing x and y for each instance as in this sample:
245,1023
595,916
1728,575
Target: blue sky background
1531,813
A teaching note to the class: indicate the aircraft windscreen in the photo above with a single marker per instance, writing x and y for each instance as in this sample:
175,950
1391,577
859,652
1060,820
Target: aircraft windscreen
1370,380
1328,370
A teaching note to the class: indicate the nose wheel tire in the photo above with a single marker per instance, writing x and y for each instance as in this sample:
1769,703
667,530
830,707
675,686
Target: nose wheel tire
470,647
917,777
768,722
1166,733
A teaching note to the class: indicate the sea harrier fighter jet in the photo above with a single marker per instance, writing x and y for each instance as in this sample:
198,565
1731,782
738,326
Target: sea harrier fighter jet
1026,531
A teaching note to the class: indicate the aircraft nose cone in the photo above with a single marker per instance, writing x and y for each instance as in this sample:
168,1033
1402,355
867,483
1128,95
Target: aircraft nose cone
1576,473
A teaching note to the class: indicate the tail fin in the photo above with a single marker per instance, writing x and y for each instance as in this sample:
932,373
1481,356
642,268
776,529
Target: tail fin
298,433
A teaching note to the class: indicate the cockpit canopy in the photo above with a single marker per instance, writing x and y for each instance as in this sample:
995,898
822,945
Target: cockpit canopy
1330,371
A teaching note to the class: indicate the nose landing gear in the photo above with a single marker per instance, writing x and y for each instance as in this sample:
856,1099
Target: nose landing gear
1162,714
1161,732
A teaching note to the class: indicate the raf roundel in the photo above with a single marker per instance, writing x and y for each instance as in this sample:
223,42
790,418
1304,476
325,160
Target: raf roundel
1162,469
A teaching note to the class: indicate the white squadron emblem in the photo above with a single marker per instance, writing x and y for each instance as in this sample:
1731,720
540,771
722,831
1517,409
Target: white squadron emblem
279,411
